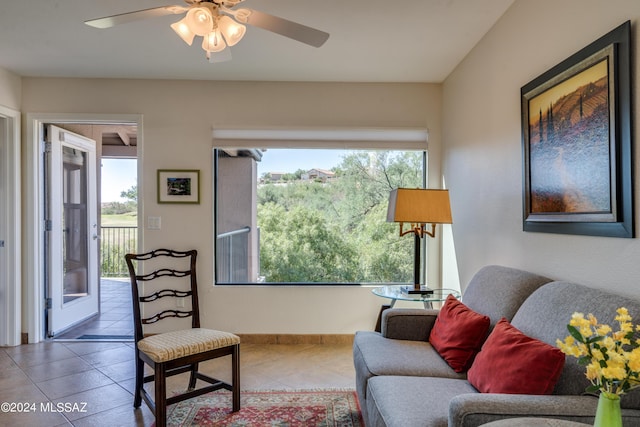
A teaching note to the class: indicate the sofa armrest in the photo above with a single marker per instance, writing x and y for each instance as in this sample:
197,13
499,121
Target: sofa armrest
467,410
408,323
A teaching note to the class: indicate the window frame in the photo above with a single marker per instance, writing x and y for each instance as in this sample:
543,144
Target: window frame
409,139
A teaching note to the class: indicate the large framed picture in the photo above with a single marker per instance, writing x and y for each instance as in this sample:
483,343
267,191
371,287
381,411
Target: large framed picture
576,138
178,186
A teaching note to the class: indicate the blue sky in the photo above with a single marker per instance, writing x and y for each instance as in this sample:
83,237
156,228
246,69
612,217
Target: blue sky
288,160
118,175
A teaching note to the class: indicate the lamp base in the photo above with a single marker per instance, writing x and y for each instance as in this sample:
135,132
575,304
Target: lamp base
422,290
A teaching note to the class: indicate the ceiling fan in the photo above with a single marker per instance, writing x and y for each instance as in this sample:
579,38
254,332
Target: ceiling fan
219,24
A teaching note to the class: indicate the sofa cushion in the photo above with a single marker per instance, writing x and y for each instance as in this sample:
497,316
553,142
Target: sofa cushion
546,313
383,356
511,362
498,291
458,334
412,401
375,355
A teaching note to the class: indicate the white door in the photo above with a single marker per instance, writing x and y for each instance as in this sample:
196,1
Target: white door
72,229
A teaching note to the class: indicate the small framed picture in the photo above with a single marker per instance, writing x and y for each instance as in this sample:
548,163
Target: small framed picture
178,186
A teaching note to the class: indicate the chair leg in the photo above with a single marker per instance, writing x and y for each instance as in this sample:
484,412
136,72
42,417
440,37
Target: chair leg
193,378
235,377
160,381
137,396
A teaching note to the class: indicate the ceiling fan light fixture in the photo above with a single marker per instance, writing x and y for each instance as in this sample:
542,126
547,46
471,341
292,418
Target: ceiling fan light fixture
182,29
199,20
213,42
218,24
240,15
231,30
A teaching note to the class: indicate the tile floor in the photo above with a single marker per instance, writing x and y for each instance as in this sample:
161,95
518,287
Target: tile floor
98,378
92,381
115,312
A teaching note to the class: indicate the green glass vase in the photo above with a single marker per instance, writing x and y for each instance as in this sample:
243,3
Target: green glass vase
608,413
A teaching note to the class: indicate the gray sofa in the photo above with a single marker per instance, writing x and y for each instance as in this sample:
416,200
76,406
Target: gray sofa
401,381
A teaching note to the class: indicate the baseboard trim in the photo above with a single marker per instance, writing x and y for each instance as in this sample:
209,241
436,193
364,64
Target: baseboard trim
296,338
330,339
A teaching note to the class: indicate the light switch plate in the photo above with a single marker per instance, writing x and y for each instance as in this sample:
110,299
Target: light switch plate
153,222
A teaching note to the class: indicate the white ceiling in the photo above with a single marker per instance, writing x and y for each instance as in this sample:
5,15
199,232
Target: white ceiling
371,41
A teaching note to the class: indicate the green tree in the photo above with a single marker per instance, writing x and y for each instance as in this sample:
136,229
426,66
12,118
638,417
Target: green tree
131,194
384,255
300,246
114,208
337,231
119,208
311,194
366,179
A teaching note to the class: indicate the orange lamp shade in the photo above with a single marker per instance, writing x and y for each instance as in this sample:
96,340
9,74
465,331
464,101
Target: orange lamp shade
419,206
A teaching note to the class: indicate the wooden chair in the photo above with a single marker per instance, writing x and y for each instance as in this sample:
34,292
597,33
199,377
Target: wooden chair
172,353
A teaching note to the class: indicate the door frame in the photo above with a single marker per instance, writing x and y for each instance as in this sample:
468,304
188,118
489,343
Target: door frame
33,242
10,307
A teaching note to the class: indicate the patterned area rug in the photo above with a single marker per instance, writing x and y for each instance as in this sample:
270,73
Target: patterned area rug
306,408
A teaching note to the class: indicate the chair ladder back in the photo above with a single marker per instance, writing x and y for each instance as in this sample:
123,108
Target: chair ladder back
137,279
182,349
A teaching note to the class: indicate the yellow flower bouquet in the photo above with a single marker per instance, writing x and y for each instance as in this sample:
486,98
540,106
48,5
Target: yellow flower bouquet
612,358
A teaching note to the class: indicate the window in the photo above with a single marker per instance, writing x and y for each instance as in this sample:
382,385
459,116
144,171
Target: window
311,216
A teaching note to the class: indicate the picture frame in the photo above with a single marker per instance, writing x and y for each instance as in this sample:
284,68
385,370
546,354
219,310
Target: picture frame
576,143
179,186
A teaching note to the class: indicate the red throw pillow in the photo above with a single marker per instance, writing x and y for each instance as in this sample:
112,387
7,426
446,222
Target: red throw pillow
458,334
511,362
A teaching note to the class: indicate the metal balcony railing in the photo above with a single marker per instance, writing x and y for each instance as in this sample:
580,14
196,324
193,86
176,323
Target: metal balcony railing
115,243
232,256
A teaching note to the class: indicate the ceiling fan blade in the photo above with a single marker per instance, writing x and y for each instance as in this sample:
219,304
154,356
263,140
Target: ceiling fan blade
284,27
123,18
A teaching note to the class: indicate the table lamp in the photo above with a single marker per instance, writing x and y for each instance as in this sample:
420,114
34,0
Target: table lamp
419,207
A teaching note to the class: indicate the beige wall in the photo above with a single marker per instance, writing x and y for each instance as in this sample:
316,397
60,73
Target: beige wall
483,155
178,118
10,89
478,107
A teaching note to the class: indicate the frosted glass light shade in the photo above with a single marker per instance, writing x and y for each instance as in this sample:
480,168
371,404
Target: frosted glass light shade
231,30
182,29
199,20
213,42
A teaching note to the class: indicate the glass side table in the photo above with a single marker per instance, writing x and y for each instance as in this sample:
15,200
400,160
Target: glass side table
394,293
